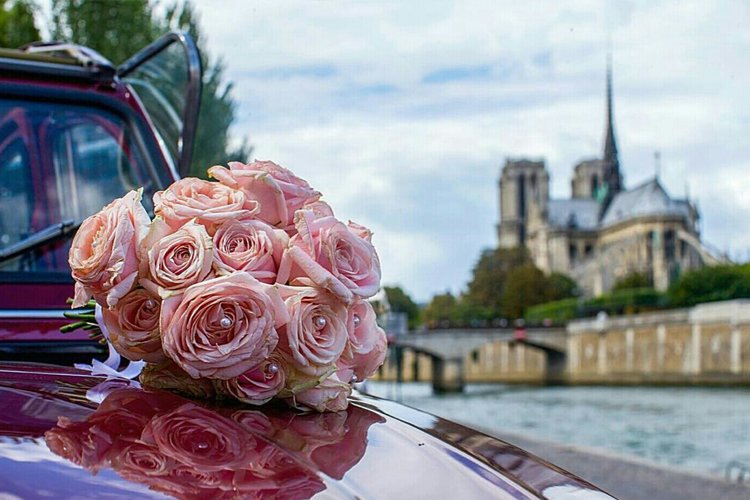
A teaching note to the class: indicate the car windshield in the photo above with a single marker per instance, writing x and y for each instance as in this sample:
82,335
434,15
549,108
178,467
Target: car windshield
61,162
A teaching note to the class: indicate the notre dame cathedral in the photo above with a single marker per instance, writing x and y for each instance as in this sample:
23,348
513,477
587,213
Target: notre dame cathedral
604,232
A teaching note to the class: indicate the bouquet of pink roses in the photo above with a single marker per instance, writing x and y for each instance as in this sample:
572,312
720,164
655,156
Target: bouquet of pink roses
246,288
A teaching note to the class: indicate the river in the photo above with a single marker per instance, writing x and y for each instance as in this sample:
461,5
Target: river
693,428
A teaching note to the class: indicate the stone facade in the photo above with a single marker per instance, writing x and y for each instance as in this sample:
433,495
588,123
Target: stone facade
603,232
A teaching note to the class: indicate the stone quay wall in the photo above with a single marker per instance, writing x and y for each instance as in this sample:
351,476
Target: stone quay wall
705,344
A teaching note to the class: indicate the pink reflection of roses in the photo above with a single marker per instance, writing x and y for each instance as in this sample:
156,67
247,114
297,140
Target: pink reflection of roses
315,335
328,254
329,395
251,246
103,256
278,191
180,448
367,344
200,438
210,203
257,385
133,326
222,327
176,260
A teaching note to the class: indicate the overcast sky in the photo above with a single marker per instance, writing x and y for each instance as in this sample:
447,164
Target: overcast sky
402,113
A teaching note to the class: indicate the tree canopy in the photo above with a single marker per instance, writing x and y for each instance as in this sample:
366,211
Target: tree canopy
400,302
17,23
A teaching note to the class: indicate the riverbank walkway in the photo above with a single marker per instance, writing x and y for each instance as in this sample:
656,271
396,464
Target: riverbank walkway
628,478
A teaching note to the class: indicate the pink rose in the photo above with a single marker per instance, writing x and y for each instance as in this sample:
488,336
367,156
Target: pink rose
367,345
315,335
210,203
319,209
278,191
251,246
328,254
133,326
257,385
139,461
200,438
103,257
175,261
330,395
222,327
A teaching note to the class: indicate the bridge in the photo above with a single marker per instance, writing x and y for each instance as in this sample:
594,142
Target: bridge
449,348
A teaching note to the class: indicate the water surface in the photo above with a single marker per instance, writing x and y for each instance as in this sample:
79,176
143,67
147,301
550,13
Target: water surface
701,429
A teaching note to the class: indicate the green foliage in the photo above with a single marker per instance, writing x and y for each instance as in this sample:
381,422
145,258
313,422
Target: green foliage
490,276
558,311
634,280
560,286
441,309
617,302
119,29
17,23
401,302
526,285
710,284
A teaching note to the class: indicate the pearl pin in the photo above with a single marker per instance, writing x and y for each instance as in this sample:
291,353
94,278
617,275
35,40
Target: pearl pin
319,322
150,303
353,379
225,322
273,368
356,320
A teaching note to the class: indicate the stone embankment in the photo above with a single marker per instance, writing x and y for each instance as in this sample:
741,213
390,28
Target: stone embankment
629,478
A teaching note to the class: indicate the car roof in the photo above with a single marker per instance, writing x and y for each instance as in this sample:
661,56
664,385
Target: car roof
71,422
56,60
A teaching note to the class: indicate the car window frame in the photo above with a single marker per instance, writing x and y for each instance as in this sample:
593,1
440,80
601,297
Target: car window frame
143,138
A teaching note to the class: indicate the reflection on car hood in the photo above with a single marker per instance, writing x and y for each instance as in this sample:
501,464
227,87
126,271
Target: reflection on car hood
66,434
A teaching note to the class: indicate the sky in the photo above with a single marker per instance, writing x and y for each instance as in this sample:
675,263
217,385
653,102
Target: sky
402,113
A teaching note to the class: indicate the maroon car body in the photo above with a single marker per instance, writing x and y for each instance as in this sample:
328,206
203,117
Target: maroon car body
75,133
66,434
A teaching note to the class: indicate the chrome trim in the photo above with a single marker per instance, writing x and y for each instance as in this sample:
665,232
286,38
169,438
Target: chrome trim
33,313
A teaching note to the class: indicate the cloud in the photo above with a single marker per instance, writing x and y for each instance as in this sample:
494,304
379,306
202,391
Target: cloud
402,113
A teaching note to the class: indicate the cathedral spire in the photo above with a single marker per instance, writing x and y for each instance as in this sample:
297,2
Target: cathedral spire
613,177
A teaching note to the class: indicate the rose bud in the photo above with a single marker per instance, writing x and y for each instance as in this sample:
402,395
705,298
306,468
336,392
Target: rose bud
279,192
315,335
210,203
103,256
133,326
366,346
251,246
222,327
330,255
175,261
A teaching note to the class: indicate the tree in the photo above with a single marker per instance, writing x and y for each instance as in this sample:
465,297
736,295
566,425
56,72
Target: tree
441,309
118,29
490,276
525,286
17,23
560,286
710,284
400,302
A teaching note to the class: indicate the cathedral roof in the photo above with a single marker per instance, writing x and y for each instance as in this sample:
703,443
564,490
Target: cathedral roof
581,213
649,198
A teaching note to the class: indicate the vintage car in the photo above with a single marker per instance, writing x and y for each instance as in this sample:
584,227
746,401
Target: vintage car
66,434
75,133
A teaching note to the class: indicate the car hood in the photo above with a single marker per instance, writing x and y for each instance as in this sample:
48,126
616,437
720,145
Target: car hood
64,433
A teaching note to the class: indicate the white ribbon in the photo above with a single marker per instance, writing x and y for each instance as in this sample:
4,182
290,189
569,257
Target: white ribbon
110,367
